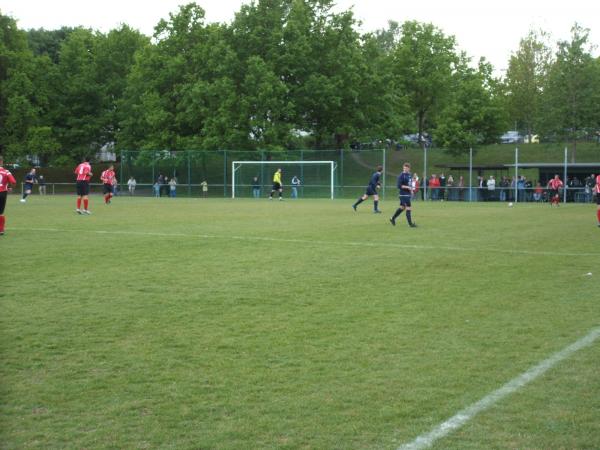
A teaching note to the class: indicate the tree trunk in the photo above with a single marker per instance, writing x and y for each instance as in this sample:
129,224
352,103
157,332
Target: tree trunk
340,138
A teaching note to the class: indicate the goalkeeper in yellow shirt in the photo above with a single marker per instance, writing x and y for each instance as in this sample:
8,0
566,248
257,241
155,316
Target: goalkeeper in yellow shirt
277,187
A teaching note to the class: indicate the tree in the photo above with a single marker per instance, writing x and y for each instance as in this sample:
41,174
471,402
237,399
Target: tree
329,101
525,80
48,42
24,97
13,56
180,93
386,112
315,53
114,59
475,114
572,94
263,108
423,62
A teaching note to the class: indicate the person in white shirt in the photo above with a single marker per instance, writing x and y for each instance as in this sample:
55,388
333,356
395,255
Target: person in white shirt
491,187
131,185
173,187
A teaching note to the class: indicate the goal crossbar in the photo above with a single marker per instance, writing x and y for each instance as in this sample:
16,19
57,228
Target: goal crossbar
235,165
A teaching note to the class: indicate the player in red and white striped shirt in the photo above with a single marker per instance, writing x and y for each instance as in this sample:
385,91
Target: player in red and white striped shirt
84,174
108,178
597,191
555,184
6,179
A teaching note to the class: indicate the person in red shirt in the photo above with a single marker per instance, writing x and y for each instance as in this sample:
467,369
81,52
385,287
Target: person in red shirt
6,179
538,192
108,178
434,186
597,191
555,184
84,173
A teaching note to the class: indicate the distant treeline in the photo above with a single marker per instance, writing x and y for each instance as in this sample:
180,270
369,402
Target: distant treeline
283,74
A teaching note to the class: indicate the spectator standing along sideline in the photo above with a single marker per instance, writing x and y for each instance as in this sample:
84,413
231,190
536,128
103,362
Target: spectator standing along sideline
131,184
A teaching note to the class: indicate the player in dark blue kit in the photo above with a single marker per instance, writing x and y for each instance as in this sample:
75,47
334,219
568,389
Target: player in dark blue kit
30,178
405,187
374,184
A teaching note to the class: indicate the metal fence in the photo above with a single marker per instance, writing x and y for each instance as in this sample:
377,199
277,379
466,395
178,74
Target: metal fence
507,174
523,195
518,176
192,168
453,193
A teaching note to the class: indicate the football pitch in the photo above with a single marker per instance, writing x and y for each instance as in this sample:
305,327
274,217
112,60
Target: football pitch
250,324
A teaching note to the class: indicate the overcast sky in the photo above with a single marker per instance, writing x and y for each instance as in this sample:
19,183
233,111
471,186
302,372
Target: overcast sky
482,28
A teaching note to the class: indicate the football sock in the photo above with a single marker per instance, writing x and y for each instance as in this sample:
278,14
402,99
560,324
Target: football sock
25,194
78,203
2,221
408,217
358,202
397,213
85,203
375,205
598,215
280,194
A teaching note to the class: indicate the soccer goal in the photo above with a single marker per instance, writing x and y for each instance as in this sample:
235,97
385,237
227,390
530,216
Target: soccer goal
314,179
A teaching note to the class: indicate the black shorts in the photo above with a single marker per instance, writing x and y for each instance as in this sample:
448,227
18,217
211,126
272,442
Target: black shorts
598,198
3,201
371,190
28,187
83,188
276,186
107,188
405,200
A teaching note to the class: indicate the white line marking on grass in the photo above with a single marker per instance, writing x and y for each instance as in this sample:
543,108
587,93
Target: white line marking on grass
462,417
314,242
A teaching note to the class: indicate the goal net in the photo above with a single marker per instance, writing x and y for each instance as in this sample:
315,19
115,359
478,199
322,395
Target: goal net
308,179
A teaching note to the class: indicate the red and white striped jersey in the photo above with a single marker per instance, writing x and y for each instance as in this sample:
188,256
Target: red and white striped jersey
555,183
5,178
83,171
108,176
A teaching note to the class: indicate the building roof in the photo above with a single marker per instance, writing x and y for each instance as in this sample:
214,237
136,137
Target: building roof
558,164
529,165
475,166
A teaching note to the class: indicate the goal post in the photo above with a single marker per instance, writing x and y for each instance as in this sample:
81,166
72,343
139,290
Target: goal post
314,176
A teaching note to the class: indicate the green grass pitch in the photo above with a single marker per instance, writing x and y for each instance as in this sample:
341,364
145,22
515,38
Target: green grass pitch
246,324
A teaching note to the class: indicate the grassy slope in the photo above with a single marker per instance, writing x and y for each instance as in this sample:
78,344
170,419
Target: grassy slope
495,154
293,325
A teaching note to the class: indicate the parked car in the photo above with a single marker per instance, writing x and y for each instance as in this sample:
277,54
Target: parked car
414,139
511,137
535,139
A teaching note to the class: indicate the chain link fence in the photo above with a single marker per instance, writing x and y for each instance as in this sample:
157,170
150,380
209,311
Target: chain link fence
496,174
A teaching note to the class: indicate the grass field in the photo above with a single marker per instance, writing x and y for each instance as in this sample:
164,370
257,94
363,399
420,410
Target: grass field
220,324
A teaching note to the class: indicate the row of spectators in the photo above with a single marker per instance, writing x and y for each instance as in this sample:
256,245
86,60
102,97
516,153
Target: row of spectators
506,189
